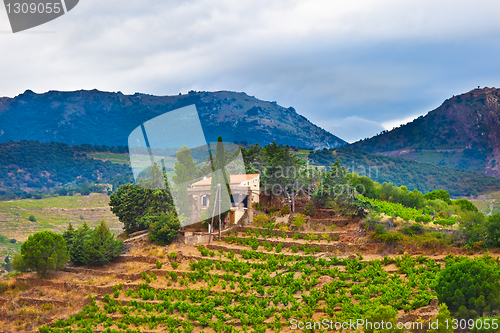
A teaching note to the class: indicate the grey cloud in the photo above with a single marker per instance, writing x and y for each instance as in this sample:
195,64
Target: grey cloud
334,62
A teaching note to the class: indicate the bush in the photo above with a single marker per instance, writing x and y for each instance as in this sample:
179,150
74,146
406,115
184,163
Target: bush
382,314
132,202
471,284
32,218
439,194
285,210
390,237
271,209
299,220
18,263
44,251
96,246
260,219
413,229
165,229
380,229
310,209
257,206
465,205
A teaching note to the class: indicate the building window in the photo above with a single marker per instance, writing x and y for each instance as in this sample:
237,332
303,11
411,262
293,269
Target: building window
205,200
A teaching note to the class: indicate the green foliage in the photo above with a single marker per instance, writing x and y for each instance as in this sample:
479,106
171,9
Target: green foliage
260,219
18,263
310,209
164,230
398,210
222,177
473,225
298,220
385,314
185,172
465,205
472,284
135,205
335,185
281,170
44,251
4,239
424,177
402,195
493,230
439,194
96,246
32,218
443,319
390,237
257,206
285,210
271,210
380,229
66,169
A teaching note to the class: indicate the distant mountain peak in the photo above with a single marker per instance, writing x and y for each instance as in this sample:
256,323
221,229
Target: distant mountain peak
462,132
107,118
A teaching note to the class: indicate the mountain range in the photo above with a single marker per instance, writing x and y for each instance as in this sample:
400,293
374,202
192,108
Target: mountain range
463,133
107,118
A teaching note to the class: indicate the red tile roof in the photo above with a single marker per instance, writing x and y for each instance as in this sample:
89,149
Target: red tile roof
235,179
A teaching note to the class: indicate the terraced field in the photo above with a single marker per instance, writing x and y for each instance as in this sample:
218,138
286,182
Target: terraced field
52,214
250,281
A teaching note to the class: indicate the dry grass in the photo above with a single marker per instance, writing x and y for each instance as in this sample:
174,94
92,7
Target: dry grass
101,280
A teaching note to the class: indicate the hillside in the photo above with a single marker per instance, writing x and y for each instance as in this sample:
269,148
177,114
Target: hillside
107,118
464,132
414,175
32,166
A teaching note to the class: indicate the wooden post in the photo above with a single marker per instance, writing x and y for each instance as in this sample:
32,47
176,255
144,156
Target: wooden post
220,200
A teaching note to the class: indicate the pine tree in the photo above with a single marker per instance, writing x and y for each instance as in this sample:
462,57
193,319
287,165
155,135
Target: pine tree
68,235
44,251
185,172
96,246
76,249
219,176
442,318
100,247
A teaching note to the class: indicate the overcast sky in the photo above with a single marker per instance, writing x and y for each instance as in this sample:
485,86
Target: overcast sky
354,67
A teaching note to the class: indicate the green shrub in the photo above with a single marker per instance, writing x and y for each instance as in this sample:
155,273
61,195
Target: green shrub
438,194
413,229
465,205
165,229
271,209
96,246
260,219
159,264
380,229
18,263
257,206
299,220
310,209
390,237
3,287
471,284
32,218
285,210
44,251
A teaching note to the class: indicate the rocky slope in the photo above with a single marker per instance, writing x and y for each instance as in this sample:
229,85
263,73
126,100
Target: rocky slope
107,118
464,132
